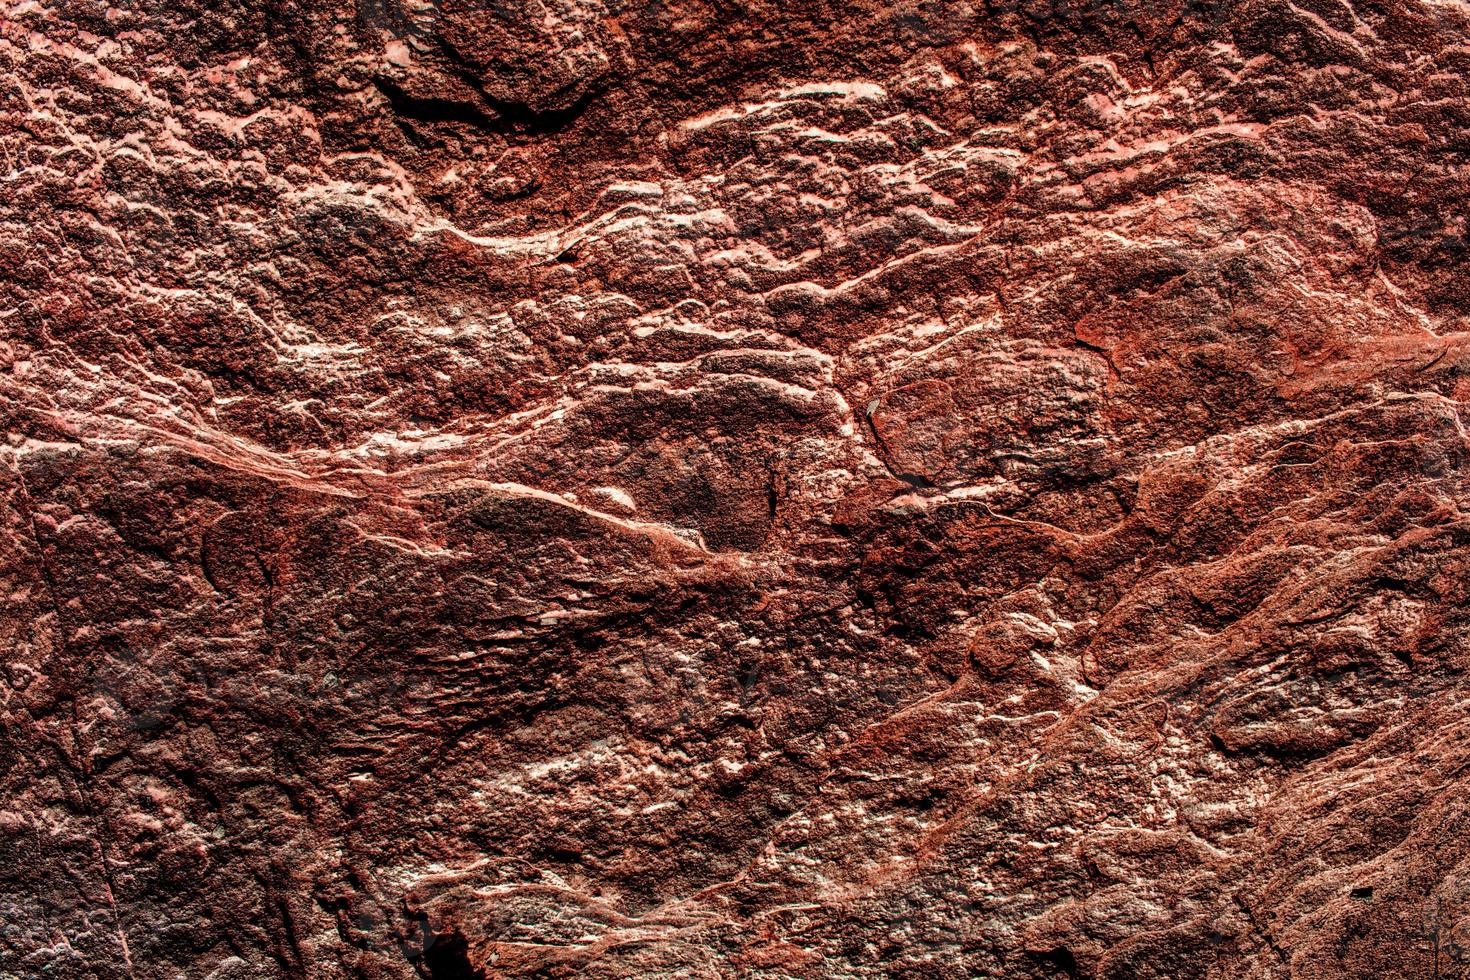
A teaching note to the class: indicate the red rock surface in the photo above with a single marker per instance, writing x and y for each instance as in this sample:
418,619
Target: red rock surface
498,488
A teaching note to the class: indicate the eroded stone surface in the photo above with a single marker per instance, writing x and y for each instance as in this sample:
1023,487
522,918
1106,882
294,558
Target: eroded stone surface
668,489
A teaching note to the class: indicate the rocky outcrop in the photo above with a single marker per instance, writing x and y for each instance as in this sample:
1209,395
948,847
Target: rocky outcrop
679,489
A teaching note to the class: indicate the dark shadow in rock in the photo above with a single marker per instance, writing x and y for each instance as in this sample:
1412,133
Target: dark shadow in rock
1060,958
445,956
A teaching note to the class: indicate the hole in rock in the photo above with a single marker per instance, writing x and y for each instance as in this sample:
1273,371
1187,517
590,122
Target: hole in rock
447,957
1362,894
1061,958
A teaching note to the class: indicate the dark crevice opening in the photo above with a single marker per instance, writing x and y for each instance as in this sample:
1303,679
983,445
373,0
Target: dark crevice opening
445,956
511,120
432,110
449,959
1060,958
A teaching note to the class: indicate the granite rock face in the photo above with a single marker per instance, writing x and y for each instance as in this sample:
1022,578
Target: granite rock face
509,488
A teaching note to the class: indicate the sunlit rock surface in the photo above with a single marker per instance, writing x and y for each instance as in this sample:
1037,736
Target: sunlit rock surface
587,488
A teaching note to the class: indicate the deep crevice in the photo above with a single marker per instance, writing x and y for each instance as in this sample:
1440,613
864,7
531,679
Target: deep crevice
434,110
445,956
449,959
510,119
1059,958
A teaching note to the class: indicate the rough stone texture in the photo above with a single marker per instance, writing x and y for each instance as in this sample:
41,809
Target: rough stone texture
507,488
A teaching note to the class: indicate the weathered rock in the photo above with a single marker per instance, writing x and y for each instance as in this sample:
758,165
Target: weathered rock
671,489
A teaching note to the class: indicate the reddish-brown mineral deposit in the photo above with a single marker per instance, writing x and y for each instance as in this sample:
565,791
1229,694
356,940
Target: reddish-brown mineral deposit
696,489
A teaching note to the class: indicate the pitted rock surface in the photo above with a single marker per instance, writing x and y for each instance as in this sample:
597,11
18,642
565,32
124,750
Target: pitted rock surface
666,488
